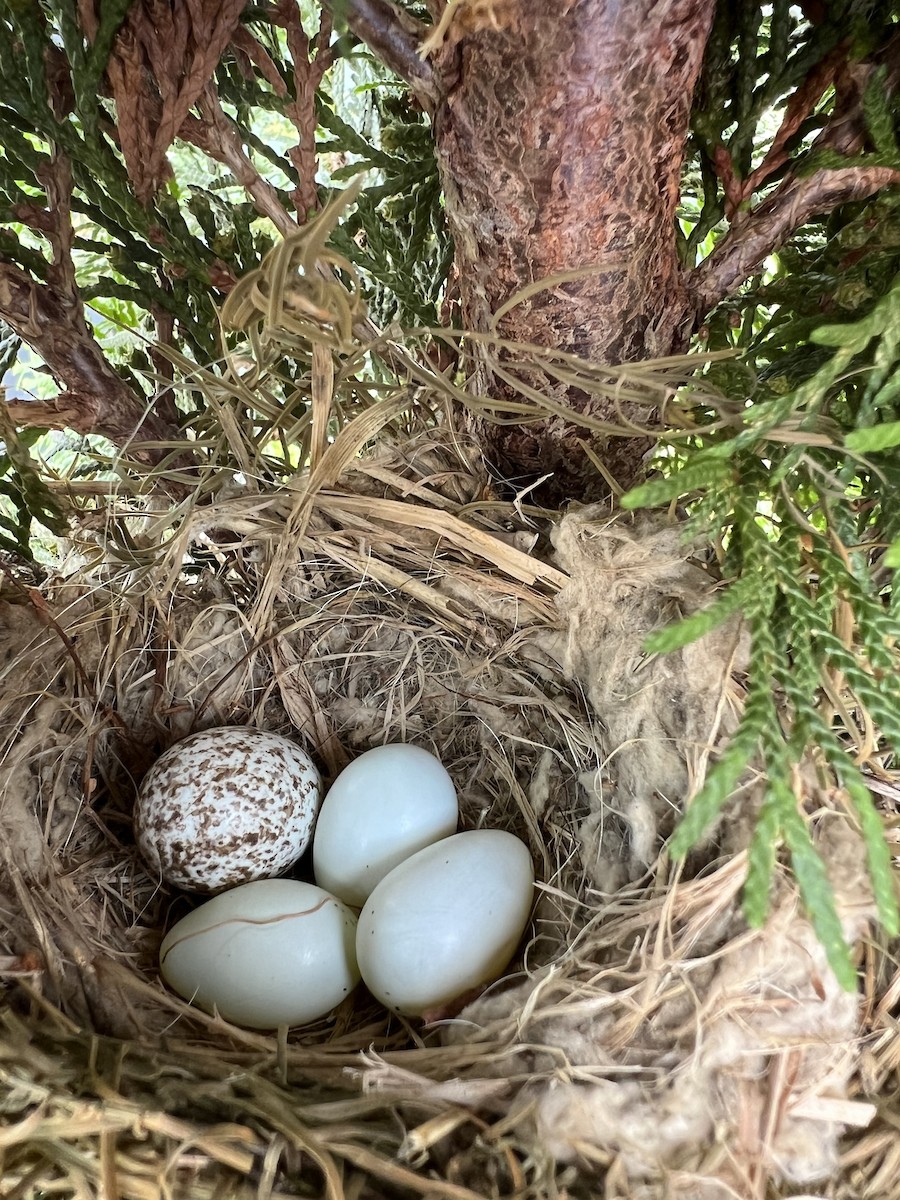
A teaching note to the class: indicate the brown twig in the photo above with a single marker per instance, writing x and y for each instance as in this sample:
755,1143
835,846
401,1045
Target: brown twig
799,106
219,138
94,399
57,180
395,37
210,33
310,64
757,234
162,363
244,43
747,246
50,318
162,59
68,410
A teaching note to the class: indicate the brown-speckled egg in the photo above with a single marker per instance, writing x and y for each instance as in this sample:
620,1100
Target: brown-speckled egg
226,806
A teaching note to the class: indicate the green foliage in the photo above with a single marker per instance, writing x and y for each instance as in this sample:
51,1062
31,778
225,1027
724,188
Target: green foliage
24,496
800,488
877,437
169,256
398,236
9,349
758,58
167,266
815,887
151,253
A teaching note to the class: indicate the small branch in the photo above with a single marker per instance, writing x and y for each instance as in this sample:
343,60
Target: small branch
219,138
758,233
395,37
65,411
94,398
309,68
162,363
769,225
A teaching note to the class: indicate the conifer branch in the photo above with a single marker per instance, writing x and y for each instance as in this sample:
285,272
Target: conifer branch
757,233
95,399
394,37
768,226
68,410
219,138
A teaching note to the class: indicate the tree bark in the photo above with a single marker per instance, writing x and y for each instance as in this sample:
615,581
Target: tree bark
560,139
95,399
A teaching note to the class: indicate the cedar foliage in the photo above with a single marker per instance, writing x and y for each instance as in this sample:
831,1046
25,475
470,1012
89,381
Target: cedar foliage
791,470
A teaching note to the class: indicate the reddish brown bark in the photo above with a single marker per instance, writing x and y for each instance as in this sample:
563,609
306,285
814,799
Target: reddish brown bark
95,399
768,226
560,142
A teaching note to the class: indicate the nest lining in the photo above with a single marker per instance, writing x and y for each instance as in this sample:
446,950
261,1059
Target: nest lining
644,1036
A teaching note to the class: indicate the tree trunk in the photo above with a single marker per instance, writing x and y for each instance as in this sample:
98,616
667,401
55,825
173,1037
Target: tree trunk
560,138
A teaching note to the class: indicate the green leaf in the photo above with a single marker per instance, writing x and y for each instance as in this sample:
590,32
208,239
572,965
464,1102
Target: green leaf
704,472
698,624
817,894
892,554
881,869
713,796
878,111
874,438
761,857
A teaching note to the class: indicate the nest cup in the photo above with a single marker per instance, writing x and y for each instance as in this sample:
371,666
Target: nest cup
643,1043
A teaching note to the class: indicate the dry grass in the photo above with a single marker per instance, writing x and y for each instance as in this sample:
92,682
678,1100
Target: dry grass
384,591
350,620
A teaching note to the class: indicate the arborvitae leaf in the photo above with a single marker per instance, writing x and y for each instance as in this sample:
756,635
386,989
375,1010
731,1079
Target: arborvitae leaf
715,793
876,437
878,696
682,633
36,500
761,865
881,868
816,891
878,111
10,343
701,473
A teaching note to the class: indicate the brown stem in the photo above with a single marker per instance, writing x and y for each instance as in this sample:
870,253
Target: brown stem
755,235
556,159
94,399
50,318
162,363
769,225
309,68
219,138
395,37
68,410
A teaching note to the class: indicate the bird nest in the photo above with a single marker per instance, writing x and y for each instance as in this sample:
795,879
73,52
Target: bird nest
644,1043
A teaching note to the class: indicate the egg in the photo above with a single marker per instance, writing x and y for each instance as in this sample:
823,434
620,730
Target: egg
386,805
446,920
269,953
226,806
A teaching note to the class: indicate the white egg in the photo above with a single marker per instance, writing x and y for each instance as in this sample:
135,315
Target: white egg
226,806
386,805
446,920
274,952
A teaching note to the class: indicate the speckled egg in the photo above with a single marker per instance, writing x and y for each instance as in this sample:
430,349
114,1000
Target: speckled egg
226,806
